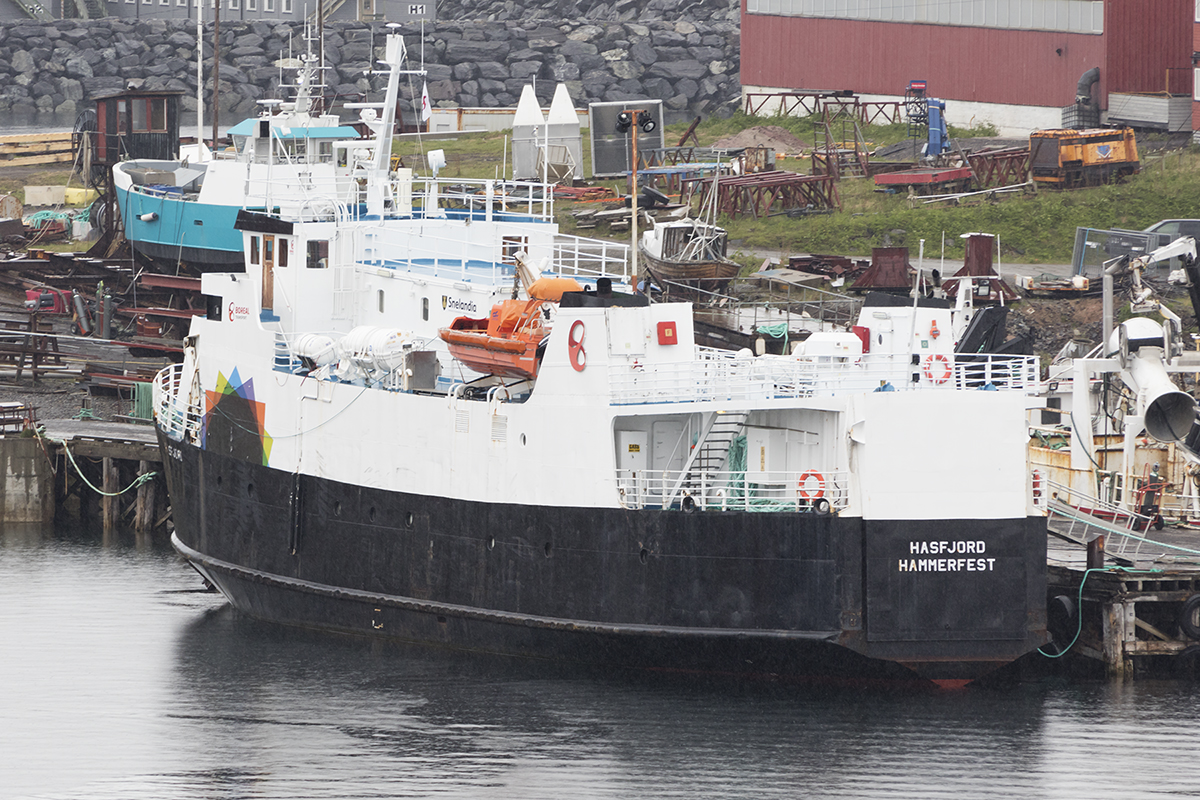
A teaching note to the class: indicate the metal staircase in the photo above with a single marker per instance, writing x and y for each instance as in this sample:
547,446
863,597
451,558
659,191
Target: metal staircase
330,7
34,10
699,475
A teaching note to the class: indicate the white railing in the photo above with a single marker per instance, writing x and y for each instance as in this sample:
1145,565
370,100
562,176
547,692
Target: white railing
806,490
718,375
576,256
176,413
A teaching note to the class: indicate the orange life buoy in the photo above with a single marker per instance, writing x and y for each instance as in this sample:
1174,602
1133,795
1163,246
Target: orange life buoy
943,374
803,484
575,346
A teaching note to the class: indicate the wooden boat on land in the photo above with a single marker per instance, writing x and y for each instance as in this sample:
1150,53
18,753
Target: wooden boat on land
688,252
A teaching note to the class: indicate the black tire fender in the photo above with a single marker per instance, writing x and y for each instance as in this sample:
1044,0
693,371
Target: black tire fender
1189,617
1060,619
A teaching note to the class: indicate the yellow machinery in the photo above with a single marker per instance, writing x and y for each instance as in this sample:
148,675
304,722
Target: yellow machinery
1067,158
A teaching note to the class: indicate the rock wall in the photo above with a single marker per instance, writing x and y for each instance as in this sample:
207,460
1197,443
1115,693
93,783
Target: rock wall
482,56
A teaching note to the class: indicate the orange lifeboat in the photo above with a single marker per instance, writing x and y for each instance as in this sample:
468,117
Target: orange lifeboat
504,344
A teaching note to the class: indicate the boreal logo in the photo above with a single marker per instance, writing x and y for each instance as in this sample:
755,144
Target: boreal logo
454,304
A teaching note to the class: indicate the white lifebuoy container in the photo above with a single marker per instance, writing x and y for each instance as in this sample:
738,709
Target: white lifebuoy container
938,368
803,484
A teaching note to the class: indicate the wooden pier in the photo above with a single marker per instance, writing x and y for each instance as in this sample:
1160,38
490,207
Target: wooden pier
1124,595
108,472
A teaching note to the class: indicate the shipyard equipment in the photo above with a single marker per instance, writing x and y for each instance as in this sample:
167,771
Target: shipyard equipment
1066,159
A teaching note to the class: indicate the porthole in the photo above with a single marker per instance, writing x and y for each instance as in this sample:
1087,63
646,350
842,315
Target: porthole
337,508
408,520
218,480
522,440
644,556
491,543
250,489
548,549
371,513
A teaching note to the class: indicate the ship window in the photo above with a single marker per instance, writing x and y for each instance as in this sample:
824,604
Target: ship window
269,249
425,308
121,111
284,246
325,152
253,249
379,297
318,254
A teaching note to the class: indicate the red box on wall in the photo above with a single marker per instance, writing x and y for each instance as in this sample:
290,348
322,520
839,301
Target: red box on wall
667,333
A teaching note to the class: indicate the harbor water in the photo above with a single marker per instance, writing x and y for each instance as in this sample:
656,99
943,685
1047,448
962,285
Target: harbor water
122,678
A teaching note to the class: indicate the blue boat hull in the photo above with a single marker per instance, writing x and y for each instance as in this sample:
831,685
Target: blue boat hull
172,232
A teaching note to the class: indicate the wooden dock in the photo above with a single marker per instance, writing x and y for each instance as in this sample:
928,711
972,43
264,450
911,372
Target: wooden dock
99,471
1125,595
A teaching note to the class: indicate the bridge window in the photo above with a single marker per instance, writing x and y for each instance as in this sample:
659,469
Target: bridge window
318,254
253,249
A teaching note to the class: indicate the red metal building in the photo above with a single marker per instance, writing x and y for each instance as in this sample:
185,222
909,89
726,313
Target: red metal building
1020,54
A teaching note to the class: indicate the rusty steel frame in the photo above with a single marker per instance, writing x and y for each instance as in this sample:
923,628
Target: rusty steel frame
758,195
811,103
996,168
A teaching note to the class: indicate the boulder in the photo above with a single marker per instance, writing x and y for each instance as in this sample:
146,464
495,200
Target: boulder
673,70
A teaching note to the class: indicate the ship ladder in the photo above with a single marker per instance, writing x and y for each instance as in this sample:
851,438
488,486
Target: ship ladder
698,478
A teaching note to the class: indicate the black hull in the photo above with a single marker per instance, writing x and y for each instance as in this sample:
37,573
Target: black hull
776,595
167,258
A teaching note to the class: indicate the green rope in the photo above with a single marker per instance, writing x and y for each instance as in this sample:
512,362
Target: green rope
1079,606
148,476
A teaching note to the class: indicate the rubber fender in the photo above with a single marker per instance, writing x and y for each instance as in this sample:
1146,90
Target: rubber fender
1061,619
1189,617
1187,661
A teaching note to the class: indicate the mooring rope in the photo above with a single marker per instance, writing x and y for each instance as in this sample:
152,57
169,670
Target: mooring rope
1079,605
147,476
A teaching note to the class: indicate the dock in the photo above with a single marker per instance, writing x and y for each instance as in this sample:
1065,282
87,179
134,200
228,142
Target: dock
93,470
1124,594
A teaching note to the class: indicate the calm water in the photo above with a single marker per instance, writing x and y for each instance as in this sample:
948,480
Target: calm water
119,680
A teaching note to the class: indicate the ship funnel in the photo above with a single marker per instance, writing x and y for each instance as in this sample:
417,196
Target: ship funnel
1142,344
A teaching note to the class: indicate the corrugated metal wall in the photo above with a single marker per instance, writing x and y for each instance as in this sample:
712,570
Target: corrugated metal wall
986,65
1149,40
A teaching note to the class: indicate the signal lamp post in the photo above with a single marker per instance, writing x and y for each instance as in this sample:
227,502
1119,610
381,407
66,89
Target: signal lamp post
633,119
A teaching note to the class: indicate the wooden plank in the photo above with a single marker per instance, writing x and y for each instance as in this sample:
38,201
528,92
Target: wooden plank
131,451
62,136
31,161
35,147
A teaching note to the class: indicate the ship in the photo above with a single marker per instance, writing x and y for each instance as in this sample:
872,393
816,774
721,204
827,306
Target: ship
689,253
581,481
180,213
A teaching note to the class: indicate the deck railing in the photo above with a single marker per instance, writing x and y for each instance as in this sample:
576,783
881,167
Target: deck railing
718,375
808,490
176,413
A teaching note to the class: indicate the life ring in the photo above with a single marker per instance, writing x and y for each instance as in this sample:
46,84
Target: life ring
803,484
945,372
